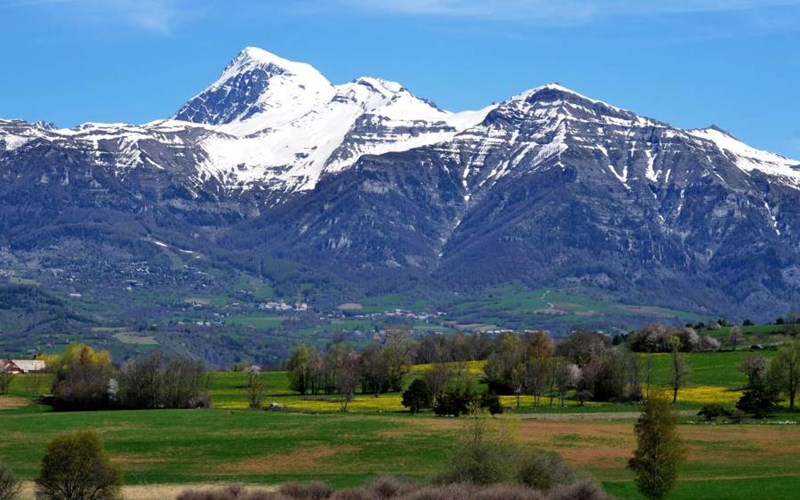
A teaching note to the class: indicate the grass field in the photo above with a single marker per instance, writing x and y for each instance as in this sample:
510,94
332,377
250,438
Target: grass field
231,444
201,446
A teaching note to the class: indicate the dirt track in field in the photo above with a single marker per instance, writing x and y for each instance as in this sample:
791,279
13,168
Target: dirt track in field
10,402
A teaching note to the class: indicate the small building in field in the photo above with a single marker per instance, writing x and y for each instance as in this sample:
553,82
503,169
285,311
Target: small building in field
22,365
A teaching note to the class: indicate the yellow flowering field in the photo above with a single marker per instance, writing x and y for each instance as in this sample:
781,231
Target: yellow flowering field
474,368
709,394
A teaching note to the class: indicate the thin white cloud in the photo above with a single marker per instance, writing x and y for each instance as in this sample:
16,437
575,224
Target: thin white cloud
563,11
156,15
152,15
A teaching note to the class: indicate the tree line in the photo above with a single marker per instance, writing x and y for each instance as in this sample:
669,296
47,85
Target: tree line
586,366
86,379
590,365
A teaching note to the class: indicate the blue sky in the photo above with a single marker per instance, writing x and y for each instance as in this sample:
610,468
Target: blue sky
734,63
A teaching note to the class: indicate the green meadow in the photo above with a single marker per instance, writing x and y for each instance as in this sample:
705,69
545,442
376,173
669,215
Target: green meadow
229,443
216,445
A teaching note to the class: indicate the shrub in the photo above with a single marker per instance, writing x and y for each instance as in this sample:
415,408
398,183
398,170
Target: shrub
389,487
758,401
544,471
713,411
351,494
232,492
582,490
737,416
505,492
9,486
76,467
491,403
438,493
473,492
315,490
483,456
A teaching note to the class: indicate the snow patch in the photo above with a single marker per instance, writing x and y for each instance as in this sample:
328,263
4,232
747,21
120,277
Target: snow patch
748,158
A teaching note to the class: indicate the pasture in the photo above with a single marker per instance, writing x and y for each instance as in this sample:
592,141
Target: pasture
231,444
205,446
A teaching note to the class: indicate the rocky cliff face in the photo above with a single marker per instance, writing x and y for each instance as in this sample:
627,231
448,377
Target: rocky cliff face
369,182
557,189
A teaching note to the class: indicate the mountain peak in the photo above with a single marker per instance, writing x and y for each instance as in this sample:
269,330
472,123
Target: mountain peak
251,57
380,85
258,82
553,88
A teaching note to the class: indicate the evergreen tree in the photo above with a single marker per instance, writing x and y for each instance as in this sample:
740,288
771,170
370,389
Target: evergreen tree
655,461
417,396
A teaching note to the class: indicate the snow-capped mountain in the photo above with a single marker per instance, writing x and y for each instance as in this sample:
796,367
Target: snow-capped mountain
556,189
284,123
368,182
266,124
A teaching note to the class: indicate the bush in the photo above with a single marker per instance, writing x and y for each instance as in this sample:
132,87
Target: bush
544,471
473,492
232,492
491,403
504,492
389,487
713,411
737,416
315,490
583,490
75,467
351,494
9,486
483,456
758,401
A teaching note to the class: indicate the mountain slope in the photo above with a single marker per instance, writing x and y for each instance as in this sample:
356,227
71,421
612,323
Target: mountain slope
366,182
283,124
266,130
556,189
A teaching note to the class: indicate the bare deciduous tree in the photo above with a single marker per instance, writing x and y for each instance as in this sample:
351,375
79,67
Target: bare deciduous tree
679,370
755,367
255,387
784,371
736,337
5,379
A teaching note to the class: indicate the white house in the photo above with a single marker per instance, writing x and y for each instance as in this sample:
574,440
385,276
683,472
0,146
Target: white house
22,365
